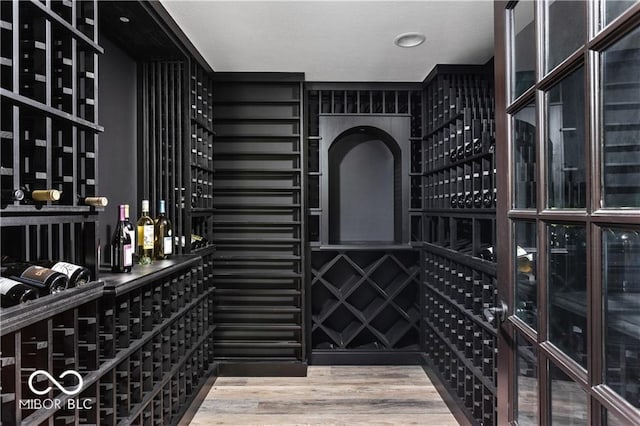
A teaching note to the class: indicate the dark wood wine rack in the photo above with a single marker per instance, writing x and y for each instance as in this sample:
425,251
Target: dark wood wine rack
258,221
49,127
142,342
456,166
202,134
364,301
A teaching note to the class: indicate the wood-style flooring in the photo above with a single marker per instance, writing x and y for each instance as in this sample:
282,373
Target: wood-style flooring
335,395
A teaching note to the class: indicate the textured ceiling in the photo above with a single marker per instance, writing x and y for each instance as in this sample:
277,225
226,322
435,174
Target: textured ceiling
336,40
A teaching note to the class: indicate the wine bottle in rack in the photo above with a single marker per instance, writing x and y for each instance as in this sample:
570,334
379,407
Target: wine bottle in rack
13,293
44,280
145,235
163,244
93,201
43,195
11,195
77,274
121,245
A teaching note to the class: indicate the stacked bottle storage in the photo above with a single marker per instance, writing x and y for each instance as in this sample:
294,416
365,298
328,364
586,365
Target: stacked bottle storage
458,260
143,344
202,134
364,300
48,127
258,220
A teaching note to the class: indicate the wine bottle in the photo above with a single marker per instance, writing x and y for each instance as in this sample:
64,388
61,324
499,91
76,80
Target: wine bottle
11,195
44,279
43,195
13,293
130,229
487,198
78,275
145,235
198,241
163,243
93,201
121,247
454,200
468,200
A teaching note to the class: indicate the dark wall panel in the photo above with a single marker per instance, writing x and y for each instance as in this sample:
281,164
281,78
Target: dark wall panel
117,163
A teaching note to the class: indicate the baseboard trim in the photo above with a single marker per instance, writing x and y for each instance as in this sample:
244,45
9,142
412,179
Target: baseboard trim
353,357
262,369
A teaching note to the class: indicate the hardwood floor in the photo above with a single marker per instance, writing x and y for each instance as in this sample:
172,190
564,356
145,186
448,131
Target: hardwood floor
334,395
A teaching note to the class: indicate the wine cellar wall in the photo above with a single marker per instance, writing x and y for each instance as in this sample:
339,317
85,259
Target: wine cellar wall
364,295
143,342
258,222
48,129
458,270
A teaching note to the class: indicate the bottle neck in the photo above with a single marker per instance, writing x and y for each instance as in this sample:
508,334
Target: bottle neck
122,214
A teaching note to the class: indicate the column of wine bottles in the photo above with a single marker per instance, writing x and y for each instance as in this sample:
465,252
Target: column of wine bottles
459,162
149,240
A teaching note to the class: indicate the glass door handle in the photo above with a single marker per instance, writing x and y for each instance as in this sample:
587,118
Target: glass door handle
499,311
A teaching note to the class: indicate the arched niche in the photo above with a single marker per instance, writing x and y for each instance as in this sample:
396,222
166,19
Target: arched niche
364,162
365,188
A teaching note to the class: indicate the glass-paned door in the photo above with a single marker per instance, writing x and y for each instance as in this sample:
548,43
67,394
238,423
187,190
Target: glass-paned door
568,162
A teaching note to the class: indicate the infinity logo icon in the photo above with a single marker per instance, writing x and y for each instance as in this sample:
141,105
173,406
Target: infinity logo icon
55,382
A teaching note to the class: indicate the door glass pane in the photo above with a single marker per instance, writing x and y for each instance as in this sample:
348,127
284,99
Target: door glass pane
524,161
621,286
565,143
614,8
567,290
526,250
523,46
567,398
526,383
621,122
612,420
564,22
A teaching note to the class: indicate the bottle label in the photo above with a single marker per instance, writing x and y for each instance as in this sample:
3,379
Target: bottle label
147,237
37,273
6,285
132,234
128,255
66,268
168,245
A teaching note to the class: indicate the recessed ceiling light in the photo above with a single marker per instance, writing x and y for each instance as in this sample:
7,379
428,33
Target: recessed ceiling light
409,39
124,19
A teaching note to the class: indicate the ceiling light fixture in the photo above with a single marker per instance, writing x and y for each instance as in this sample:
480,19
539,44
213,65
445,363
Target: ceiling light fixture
409,39
125,19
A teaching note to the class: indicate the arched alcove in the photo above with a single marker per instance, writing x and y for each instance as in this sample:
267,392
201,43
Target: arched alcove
365,187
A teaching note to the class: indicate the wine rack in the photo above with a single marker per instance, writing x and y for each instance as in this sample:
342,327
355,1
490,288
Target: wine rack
48,127
258,221
457,168
142,342
364,301
202,134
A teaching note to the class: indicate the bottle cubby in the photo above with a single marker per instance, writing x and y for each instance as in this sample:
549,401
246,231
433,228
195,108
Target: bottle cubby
364,299
140,358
